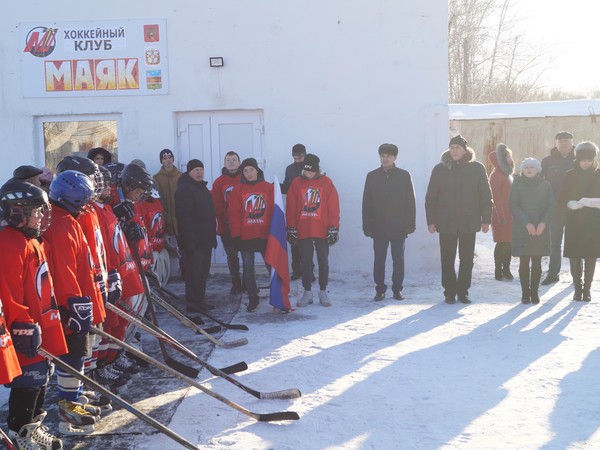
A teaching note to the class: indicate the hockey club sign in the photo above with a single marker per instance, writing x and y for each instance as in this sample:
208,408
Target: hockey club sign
94,58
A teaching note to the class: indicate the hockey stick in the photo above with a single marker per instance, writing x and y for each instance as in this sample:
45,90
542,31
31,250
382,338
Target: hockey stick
184,319
285,394
284,415
179,366
223,324
8,443
188,323
118,400
162,336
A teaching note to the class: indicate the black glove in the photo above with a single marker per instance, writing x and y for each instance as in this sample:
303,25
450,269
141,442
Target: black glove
124,211
332,235
27,338
410,231
115,286
368,233
134,232
292,235
80,314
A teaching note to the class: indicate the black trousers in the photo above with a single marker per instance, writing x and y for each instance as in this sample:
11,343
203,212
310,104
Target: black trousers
307,248
233,260
197,266
449,243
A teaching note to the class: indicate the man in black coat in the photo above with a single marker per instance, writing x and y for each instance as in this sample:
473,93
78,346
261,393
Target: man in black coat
554,167
197,233
458,204
388,212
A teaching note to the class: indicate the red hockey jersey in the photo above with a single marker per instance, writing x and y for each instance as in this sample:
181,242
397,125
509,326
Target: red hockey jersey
220,191
312,206
25,279
9,363
250,210
152,211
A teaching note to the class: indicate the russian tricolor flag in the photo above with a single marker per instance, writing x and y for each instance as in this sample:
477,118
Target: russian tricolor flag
277,256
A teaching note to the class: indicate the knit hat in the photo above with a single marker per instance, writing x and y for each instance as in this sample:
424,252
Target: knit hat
311,163
23,173
164,152
531,162
458,140
298,150
193,163
388,149
249,162
586,151
563,135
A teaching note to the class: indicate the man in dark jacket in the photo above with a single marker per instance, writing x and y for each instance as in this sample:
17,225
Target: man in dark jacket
554,168
388,212
458,204
197,233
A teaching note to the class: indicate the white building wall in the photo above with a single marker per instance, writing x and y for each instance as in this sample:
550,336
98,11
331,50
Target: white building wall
341,76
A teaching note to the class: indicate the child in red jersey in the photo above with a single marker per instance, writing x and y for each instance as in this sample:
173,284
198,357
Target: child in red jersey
30,309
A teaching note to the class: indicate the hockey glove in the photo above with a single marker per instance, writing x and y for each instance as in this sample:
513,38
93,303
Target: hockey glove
332,235
292,235
115,287
27,338
80,314
124,211
134,232
101,287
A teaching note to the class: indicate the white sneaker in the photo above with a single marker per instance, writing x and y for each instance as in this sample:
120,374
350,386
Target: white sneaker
323,299
307,299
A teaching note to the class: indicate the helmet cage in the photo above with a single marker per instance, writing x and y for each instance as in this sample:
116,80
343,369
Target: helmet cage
18,212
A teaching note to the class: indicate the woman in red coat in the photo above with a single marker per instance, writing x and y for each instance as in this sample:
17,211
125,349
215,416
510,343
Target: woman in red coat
501,182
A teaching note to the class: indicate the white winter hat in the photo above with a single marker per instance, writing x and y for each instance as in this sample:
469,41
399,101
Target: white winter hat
531,162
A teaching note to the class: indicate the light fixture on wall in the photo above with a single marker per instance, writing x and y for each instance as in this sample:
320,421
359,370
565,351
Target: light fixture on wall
216,61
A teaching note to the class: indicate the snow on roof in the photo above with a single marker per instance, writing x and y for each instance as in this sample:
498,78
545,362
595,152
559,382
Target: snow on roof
585,107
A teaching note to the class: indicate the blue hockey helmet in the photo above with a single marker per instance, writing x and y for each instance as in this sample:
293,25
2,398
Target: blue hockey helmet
85,166
72,190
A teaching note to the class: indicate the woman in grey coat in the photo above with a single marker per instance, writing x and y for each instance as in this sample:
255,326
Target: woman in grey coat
532,205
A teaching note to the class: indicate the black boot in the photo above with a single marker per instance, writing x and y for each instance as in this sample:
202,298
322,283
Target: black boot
576,273
524,280
236,285
588,277
253,304
506,259
536,276
498,261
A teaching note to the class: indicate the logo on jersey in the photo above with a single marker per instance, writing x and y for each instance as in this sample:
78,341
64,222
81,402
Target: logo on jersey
156,224
255,206
121,248
312,200
227,191
40,41
44,289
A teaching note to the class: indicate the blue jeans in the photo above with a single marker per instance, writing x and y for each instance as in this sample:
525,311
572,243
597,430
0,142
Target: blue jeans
557,228
380,247
249,275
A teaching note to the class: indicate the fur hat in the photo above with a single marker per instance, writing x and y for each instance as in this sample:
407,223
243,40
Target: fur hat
164,152
193,163
531,162
388,149
563,135
311,163
92,153
459,140
298,150
586,151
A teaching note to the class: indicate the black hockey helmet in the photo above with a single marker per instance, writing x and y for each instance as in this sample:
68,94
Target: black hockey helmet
85,166
115,169
134,177
19,200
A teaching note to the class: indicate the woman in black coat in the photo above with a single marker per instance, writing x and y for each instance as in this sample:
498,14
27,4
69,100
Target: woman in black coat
532,206
196,233
582,218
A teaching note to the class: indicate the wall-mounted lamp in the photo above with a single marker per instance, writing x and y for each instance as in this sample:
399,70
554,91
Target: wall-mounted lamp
216,61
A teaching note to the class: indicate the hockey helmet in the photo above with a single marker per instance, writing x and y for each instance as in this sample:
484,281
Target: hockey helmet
72,190
85,166
115,169
20,200
134,177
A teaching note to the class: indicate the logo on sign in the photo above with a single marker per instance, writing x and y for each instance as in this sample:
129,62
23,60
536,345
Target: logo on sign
40,41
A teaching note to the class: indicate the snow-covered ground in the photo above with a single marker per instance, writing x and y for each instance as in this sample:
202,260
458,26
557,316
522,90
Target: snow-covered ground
417,374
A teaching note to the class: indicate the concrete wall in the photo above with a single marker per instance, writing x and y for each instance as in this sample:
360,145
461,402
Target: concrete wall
340,76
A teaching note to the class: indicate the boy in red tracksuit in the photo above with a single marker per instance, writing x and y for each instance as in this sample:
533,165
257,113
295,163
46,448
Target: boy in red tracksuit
73,273
313,221
222,187
31,314
250,210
